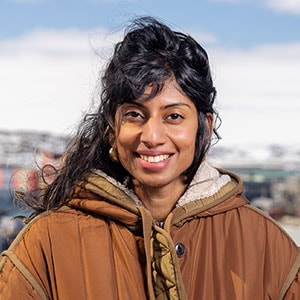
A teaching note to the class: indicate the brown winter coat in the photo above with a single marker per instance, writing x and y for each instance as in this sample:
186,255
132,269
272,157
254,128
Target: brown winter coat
104,246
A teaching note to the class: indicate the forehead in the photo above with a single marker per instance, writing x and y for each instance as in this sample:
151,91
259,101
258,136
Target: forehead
170,94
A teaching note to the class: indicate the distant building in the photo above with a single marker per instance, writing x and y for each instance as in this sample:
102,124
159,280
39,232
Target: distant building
278,187
18,177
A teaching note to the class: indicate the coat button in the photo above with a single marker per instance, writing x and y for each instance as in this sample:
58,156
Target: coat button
180,249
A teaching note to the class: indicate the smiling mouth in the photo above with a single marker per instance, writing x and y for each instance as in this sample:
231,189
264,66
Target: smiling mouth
154,159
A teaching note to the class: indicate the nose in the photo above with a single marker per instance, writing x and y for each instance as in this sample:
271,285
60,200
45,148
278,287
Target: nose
153,133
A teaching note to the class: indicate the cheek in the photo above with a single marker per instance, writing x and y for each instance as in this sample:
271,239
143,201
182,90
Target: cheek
125,142
186,139
123,149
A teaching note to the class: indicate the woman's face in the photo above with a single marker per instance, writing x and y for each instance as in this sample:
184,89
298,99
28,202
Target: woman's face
155,139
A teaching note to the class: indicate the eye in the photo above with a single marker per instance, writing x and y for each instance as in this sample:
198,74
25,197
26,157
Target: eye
175,117
132,115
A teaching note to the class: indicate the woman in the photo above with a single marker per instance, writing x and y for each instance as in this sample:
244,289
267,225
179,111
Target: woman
136,212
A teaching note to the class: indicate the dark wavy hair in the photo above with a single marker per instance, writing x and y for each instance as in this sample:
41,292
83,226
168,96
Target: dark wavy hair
150,53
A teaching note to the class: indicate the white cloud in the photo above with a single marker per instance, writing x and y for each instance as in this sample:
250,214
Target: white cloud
259,93
290,6
58,44
47,78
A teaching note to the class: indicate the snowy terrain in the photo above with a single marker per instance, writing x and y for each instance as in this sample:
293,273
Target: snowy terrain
18,148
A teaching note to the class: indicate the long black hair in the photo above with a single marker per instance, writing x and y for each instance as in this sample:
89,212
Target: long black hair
150,53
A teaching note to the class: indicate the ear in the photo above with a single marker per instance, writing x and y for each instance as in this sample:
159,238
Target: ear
210,123
115,128
112,140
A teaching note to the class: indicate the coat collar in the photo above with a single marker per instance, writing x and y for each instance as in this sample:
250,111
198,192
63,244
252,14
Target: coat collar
103,195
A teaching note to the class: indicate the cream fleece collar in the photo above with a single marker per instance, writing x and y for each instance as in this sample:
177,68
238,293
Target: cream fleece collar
206,182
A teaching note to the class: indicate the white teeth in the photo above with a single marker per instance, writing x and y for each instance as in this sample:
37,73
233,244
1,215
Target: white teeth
154,159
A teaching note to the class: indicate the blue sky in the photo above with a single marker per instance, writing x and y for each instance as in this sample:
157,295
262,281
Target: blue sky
234,23
48,68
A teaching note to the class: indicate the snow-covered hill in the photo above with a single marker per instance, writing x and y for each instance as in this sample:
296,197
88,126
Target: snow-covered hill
274,155
19,148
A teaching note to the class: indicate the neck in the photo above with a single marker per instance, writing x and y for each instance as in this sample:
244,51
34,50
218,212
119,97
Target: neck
159,201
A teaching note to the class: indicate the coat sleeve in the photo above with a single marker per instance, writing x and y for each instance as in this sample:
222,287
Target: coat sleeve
13,275
291,287
23,270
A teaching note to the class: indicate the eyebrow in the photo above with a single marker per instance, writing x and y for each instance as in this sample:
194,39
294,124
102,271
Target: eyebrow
177,104
164,107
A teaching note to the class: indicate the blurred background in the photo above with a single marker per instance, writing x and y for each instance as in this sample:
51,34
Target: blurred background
52,52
